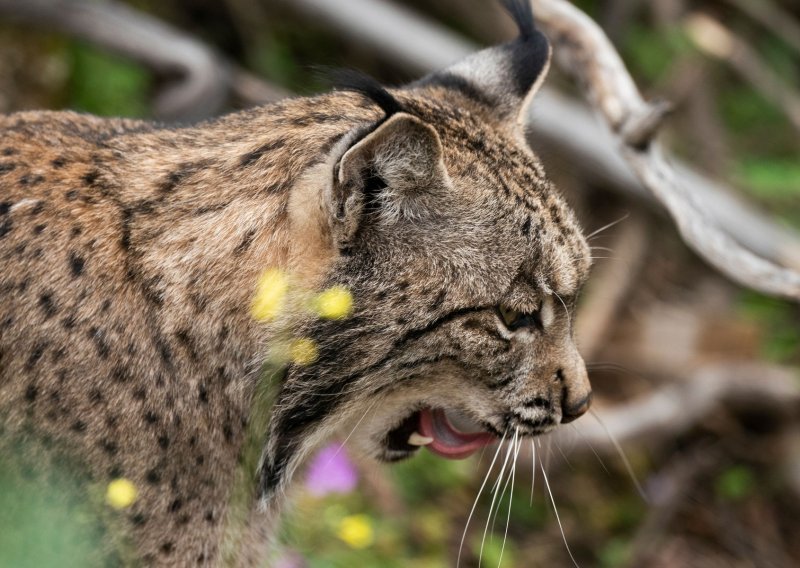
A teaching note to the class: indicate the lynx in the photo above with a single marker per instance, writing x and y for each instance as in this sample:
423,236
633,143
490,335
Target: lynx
131,254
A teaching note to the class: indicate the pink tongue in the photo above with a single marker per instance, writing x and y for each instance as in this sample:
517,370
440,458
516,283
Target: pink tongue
447,441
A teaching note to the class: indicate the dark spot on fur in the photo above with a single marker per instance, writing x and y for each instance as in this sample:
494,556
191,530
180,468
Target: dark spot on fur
110,447
246,241
78,426
253,156
47,305
171,181
69,321
35,354
164,351
59,162
76,264
227,431
30,179
167,548
188,343
163,441
98,336
90,178
7,167
138,519
153,476
71,195
175,506
203,393
5,227
31,391
120,374
95,396
9,151
39,229
150,417
125,239
5,207
526,226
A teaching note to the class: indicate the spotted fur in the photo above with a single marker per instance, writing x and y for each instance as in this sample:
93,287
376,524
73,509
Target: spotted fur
130,254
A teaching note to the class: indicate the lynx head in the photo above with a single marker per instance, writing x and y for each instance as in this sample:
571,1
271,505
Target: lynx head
464,264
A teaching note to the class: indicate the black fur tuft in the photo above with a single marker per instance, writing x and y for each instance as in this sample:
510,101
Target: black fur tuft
352,80
522,13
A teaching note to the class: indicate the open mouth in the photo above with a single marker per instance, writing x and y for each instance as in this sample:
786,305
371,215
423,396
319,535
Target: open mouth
433,428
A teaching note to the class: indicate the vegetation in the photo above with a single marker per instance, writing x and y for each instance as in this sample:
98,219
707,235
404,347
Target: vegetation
724,492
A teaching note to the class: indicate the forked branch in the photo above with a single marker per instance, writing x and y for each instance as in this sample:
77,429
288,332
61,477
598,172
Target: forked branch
584,51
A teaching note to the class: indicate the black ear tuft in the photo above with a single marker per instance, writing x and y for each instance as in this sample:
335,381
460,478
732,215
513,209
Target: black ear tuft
359,82
522,13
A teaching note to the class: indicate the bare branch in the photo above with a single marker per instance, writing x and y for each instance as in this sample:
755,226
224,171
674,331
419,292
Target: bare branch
585,52
610,285
674,409
716,40
774,18
201,81
568,126
197,80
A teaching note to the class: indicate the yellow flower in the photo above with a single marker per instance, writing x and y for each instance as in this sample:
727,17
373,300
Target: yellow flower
121,493
334,303
356,531
303,351
270,295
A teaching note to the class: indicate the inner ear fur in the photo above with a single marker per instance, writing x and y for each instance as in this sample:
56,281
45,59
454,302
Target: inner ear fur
398,162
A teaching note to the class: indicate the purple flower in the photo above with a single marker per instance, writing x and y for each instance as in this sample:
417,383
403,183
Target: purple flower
331,471
290,559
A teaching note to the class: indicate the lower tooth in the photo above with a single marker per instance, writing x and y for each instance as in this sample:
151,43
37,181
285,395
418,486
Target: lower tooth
416,439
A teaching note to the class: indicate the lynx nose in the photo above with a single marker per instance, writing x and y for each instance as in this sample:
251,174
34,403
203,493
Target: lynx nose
575,411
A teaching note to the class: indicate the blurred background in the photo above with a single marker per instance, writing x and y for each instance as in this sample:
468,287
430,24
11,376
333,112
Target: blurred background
693,457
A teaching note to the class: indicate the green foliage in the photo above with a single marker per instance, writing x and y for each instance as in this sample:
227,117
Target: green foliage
735,483
107,85
47,516
781,341
772,179
615,553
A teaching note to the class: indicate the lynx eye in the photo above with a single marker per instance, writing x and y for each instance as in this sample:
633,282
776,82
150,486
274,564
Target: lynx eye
514,320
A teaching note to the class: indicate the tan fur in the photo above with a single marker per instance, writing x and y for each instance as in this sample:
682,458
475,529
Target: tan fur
130,254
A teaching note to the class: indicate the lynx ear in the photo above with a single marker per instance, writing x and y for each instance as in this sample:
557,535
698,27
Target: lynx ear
504,77
387,173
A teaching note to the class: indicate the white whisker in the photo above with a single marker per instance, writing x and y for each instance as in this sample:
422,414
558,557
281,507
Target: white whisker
608,226
477,497
566,310
622,456
505,486
533,473
591,447
558,519
491,507
360,420
518,444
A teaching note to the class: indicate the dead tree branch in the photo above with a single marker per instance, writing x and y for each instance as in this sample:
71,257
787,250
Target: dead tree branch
610,285
585,52
716,40
197,81
674,409
774,18
571,129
